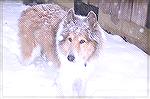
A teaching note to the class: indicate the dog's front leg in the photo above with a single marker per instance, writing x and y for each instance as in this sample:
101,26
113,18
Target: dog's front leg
71,81
78,87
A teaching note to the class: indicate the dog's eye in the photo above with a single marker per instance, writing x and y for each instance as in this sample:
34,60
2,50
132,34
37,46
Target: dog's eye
82,41
70,40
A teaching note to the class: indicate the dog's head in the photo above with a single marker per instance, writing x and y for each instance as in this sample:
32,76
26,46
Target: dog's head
79,38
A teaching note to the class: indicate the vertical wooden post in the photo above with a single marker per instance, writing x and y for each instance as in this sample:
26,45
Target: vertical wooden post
148,17
139,12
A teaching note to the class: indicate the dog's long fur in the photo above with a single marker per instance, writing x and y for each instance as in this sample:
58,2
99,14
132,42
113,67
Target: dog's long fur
58,34
37,27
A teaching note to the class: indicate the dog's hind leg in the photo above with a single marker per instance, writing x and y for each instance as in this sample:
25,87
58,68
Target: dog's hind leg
47,40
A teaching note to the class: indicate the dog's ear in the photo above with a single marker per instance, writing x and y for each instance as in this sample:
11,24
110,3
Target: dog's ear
70,16
92,19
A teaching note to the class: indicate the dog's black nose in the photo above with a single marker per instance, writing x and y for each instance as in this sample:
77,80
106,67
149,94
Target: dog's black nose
70,58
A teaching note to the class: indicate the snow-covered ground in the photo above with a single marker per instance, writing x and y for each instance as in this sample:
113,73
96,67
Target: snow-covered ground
122,70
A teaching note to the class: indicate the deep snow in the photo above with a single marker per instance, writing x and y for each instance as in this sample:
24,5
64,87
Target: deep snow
122,70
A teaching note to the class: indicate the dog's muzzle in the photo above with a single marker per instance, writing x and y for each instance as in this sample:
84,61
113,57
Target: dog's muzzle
71,58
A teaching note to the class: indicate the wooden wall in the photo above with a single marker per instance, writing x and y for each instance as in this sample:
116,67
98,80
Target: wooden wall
126,18
129,10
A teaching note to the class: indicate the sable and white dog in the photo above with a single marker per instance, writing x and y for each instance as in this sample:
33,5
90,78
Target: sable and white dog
70,41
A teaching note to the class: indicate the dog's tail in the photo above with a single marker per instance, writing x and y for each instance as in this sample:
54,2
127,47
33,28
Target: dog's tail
27,25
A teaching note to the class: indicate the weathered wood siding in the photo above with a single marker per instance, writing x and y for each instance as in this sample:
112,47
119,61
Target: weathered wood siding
139,12
129,10
126,18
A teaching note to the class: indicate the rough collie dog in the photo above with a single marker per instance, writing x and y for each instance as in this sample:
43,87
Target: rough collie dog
70,41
